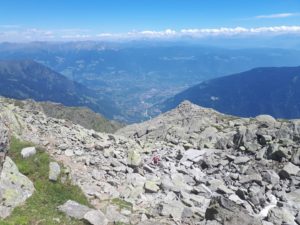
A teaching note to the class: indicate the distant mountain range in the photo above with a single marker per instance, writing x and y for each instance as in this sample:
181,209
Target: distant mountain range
27,79
274,91
138,75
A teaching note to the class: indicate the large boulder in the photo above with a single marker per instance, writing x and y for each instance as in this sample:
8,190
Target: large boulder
228,212
15,188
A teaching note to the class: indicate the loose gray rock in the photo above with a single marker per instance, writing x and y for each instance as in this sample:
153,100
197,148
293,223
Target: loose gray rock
279,216
54,171
134,158
266,119
173,209
151,186
289,170
296,157
229,213
27,152
96,217
271,177
74,209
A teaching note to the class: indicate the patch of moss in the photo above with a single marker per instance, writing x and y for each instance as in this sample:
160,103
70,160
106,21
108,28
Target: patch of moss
122,204
41,207
121,223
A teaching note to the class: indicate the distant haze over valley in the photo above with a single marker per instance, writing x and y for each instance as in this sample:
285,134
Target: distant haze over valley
135,76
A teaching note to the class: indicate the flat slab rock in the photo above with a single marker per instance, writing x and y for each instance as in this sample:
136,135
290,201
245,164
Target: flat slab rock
74,209
79,211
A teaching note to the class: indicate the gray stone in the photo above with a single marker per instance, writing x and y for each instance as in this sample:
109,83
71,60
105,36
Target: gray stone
15,188
214,184
296,157
151,186
27,152
266,120
95,217
242,160
236,199
54,171
277,152
69,152
279,216
74,209
229,213
113,215
289,170
134,158
271,177
193,155
224,190
173,209
251,178
260,154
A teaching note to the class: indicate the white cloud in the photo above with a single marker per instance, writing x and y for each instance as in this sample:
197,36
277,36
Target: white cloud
276,16
225,31
34,34
76,36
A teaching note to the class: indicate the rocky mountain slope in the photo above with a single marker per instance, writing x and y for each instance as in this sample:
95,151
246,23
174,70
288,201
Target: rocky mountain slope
78,115
276,93
191,165
26,79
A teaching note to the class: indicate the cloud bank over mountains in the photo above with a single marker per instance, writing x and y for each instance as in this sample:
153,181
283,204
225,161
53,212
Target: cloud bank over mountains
15,33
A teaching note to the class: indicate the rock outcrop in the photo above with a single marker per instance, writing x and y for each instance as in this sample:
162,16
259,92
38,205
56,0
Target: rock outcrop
4,140
15,188
189,166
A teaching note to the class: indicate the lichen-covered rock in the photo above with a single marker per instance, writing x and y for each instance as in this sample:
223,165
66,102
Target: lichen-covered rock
134,158
15,188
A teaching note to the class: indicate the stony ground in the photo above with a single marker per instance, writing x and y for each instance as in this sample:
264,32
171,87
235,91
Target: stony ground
189,166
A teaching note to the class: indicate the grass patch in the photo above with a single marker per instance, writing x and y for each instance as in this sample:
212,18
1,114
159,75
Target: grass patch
41,207
122,204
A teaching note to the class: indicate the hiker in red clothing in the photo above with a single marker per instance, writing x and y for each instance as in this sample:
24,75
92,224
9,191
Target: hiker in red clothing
156,159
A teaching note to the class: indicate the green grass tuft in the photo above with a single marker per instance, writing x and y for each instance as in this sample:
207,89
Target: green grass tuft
41,207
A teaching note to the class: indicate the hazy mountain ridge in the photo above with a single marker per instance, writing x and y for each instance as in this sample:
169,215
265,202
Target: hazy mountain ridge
273,91
138,75
23,79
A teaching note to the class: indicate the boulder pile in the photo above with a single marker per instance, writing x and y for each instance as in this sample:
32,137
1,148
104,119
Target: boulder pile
191,165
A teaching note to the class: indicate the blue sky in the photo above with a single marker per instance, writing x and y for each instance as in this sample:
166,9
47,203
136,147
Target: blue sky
71,19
